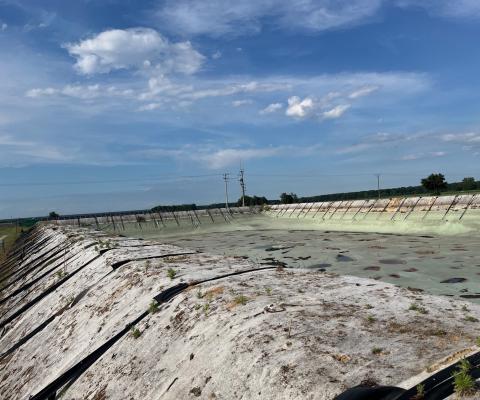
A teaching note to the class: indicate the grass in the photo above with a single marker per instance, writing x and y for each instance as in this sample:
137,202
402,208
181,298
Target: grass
136,333
241,300
60,273
11,233
171,273
377,350
153,307
371,319
419,309
420,392
148,264
469,318
464,383
269,291
477,341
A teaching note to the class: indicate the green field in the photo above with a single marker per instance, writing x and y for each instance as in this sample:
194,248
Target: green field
10,233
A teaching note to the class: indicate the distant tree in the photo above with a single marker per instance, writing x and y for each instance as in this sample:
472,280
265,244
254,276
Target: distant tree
53,215
253,201
469,183
434,183
288,198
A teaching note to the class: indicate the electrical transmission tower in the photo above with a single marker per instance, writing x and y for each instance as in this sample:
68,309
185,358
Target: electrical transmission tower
226,178
242,184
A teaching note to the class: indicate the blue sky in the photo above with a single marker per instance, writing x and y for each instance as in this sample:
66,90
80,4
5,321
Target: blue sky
116,105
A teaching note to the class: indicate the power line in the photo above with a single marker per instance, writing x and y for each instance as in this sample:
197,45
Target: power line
146,179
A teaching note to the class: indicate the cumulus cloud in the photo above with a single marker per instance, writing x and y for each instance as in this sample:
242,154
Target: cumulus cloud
309,107
271,108
299,108
136,48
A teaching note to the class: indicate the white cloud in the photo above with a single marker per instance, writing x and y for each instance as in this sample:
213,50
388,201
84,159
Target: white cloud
136,48
217,55
471,138
246,17
3,27
239,103
469,9
271,108
363,91
226,157
15,151
169,92
336,112
214,158
219,17
418,156
309,107
84,92
298,108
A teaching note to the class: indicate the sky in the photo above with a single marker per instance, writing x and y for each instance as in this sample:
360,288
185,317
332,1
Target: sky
118,104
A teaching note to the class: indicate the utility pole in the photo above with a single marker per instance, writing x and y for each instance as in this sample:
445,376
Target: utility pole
378,184
226,178
242,184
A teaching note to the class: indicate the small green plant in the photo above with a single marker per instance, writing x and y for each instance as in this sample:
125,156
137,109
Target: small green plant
465,308
420,392
477,341
61,273
153,308
171,273
206,308
198,306
377,350
148,264
371,319
136,333
469,318
419,309
241,300
269,291
464,384
368,306
199,294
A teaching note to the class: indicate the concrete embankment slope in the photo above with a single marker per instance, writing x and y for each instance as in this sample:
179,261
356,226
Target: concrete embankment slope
448,215
87,315
428,214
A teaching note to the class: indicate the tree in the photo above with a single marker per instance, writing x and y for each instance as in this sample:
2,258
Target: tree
469,183
253,201
288,198
53,215
434,183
